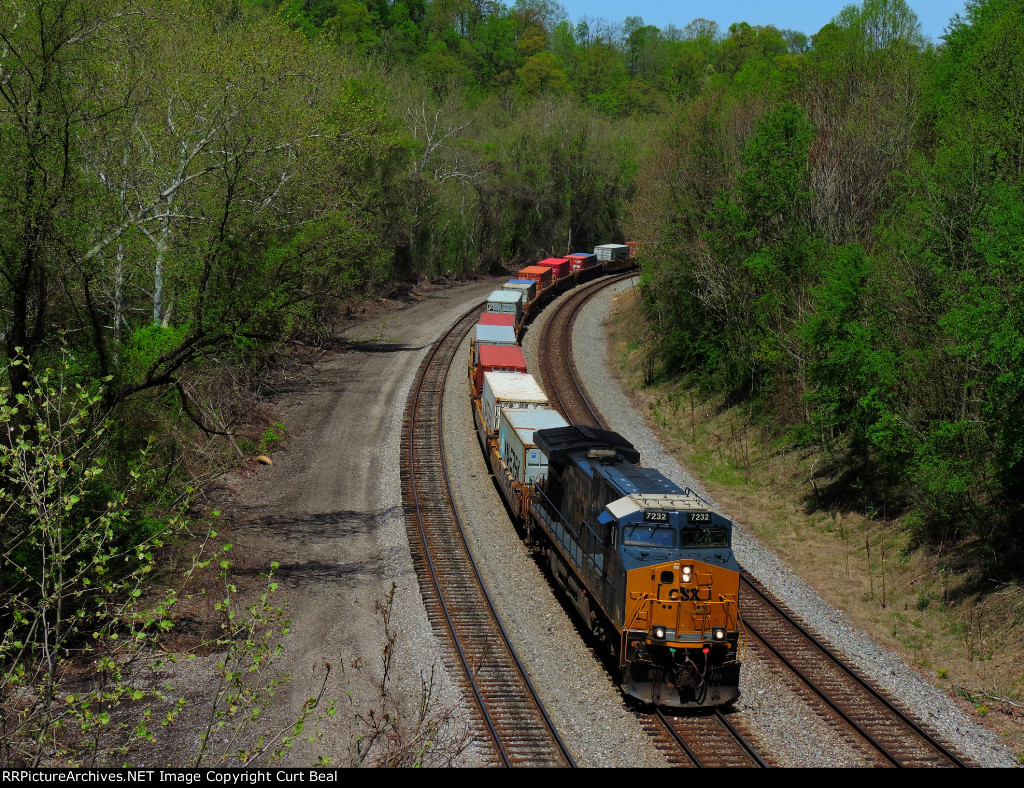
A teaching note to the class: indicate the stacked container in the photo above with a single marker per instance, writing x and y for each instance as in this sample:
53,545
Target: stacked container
524,461
610,252
559,265
582,261
498,358
508,390
498,319
492,335
539,274
505,301
527,286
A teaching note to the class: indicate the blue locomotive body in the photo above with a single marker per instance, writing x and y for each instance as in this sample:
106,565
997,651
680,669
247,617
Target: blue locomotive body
648,564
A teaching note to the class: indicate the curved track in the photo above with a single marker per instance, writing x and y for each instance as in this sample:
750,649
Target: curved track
508,711
875,724
885,733
557,370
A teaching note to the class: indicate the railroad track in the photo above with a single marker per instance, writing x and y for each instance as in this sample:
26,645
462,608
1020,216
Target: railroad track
704,741
878,727
508,713
874,723
557,368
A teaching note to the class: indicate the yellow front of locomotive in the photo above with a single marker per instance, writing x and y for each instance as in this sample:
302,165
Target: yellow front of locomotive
681,634
681,622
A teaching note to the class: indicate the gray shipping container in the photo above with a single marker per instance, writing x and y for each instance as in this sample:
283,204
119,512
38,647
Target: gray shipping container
492,335
607,252
506,301
527,286
524,461
508,390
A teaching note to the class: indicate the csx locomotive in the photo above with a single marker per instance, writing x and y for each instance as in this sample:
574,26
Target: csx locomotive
648,565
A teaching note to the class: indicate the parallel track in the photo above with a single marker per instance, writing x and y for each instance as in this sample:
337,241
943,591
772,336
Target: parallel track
557,368
876,723
886,733
508,711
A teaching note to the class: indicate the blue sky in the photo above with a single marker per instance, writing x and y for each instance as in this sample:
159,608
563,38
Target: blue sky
807,16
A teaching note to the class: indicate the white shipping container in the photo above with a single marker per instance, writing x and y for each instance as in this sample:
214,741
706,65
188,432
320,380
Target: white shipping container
509,390
524,461
506,301
607,252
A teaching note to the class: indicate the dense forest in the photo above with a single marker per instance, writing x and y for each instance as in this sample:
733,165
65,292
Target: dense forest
830,227
836,238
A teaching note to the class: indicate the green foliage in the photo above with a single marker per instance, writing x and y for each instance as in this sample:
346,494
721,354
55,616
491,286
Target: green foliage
74,565
146,347
834,235
87,609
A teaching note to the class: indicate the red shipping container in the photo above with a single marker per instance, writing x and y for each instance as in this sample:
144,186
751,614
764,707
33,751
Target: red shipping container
582,261
560,265
539,274
498,358
498,319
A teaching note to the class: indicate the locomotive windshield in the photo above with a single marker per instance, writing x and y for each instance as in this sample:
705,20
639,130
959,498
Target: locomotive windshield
704,537
649,534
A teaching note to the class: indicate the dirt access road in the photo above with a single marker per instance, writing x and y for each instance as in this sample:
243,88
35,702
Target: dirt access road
329,511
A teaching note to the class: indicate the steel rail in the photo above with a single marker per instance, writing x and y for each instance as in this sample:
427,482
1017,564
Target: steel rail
744,746
872,693
413,409
677,737
575,301
490,604
741,740
822,695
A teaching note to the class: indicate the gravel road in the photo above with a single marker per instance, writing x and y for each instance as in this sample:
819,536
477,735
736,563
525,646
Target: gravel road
330,511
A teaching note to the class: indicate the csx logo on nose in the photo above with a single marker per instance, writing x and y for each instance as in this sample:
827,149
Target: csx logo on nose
692,595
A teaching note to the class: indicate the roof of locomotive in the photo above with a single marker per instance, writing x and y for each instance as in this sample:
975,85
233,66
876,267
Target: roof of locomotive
561,444
631,504
630,479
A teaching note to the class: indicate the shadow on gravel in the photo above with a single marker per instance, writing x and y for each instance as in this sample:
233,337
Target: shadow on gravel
328,525
376,346
309,537
348,575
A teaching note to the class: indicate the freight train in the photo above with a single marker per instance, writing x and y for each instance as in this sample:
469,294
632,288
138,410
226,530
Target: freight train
522,297
647,565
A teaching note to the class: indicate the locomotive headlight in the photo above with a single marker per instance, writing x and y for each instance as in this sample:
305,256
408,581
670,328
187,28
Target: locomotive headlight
718,634
686,573
659,633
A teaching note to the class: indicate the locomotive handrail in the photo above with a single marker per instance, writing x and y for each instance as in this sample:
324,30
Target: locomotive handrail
546,505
